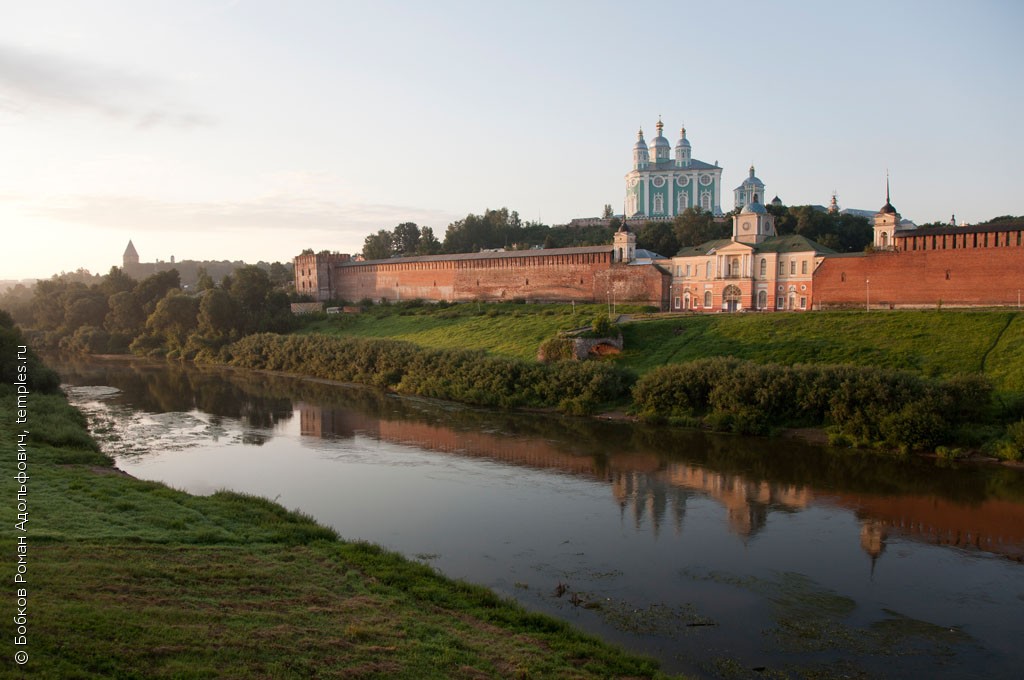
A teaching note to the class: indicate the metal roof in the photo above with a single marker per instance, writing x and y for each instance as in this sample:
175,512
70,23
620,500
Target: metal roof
487,255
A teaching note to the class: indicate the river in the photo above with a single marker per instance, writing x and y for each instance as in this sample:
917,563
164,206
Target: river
723,557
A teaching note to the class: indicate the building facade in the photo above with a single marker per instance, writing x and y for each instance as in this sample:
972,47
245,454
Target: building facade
754,269
663,184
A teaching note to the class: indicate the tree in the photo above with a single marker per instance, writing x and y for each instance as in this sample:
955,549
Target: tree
173,319
154,288
493,229
281,274
203,280
694,226
379,246
405,239
249,289
659,237
116,281
428,243
607,213
48,303
125,316
219,317
84,308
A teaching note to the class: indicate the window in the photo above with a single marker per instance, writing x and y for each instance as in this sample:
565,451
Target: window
803,267
803,303
677,302
679,270
762,299
842,277
779,302
792,266
705,200
687,270
707,298
707,268
764,267
682,201
782,267
659,207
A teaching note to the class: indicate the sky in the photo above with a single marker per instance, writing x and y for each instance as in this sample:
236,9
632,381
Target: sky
252,129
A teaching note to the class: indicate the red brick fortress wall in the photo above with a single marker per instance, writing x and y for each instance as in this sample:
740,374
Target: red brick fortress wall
922,278
557,275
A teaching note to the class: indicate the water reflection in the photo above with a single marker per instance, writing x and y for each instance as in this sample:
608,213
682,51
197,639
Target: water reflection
714,524
651,471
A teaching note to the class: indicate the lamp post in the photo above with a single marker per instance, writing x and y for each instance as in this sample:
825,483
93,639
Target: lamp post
867,295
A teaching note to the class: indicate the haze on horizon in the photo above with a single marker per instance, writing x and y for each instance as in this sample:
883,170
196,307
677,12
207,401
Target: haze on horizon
250,130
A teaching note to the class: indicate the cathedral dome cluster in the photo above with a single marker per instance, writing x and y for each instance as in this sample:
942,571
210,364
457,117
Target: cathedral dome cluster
662,185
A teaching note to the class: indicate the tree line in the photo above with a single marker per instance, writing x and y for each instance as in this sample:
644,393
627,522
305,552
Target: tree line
505,229
154,316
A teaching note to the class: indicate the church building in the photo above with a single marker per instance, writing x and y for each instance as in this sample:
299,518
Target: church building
754,269
661,186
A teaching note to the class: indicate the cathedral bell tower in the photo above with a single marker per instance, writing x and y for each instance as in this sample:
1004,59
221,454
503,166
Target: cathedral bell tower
886,222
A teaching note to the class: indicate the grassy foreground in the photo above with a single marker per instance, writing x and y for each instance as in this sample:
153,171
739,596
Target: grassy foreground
128,578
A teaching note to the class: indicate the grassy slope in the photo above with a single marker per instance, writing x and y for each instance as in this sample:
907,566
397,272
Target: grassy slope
129,578
934,343
508,329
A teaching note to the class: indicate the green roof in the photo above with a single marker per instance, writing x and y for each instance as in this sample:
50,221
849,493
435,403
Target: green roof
703,248
792,243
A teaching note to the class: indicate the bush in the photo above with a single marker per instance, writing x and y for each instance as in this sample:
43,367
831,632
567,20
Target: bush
863,405
601,326
556,349
470,377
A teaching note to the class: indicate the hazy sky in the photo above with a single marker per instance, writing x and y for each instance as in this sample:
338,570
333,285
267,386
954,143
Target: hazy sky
254,129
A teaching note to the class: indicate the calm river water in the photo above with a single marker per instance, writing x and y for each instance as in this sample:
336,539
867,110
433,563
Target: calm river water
721,556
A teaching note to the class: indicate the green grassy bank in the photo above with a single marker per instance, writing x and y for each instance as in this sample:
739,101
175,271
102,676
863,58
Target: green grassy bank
959,374
132,579
936,344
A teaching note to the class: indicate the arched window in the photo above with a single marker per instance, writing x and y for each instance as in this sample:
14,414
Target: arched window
707,298
884,239
764,267
683,201
705,200
659,204
686,300
762,298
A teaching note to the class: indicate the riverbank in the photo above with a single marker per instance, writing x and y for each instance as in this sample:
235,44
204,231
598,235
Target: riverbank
128,578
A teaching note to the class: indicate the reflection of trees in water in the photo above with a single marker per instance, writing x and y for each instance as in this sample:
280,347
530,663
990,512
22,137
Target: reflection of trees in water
174,387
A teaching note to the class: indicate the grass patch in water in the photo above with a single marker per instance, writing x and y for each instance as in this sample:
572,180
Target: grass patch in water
811,620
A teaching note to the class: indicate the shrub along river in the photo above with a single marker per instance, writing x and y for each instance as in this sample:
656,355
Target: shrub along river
721,556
